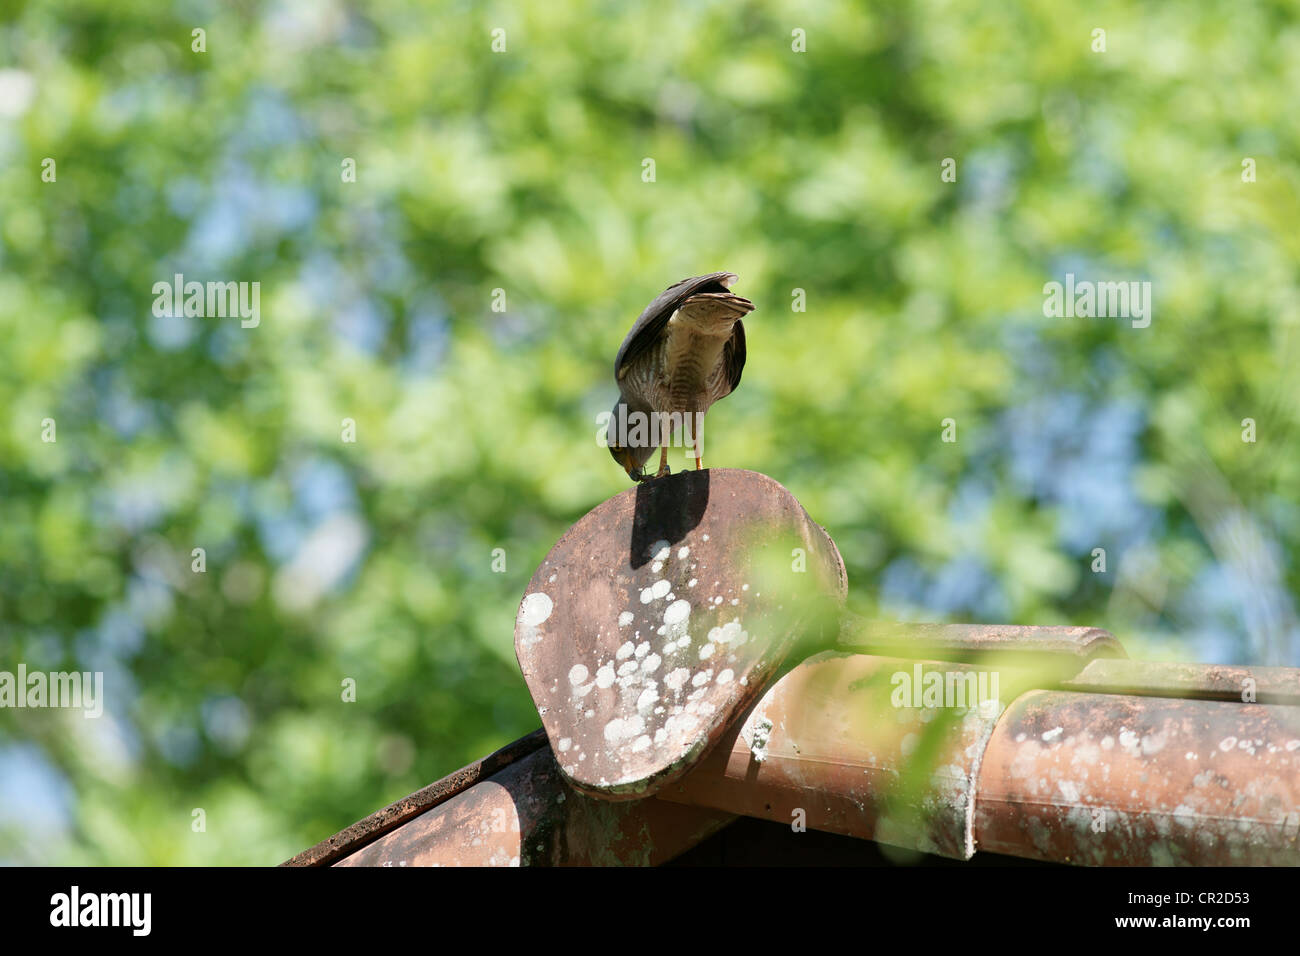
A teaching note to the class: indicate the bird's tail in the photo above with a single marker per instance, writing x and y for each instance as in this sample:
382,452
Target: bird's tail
717,308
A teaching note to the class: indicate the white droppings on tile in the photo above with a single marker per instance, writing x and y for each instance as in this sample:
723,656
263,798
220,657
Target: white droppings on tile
677,678
677,612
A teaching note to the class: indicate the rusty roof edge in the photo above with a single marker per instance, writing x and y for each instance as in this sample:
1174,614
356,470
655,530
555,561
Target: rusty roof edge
1153,807
371,828
1070,647
1240,683
527,814
1161,752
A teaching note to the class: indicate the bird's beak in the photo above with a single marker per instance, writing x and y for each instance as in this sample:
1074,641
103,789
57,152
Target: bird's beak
624,457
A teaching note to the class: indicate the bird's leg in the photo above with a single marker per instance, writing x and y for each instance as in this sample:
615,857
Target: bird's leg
663,461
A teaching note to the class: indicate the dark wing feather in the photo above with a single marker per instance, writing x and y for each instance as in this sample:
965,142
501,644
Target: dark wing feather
650,324
733,354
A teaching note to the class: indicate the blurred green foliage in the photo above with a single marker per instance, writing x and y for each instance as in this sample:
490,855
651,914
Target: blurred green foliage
522,170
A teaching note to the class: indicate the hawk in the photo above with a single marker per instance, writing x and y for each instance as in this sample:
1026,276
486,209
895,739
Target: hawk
685,352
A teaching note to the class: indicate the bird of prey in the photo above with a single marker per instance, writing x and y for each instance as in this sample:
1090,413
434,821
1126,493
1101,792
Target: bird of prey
685,352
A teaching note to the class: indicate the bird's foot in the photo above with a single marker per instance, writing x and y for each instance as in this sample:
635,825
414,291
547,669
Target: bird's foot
663,472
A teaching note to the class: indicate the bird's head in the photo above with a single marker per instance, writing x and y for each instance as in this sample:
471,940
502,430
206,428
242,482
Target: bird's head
626,442
630,460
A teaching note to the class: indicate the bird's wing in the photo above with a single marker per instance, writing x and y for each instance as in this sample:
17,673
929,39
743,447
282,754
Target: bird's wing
733,355
650,324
